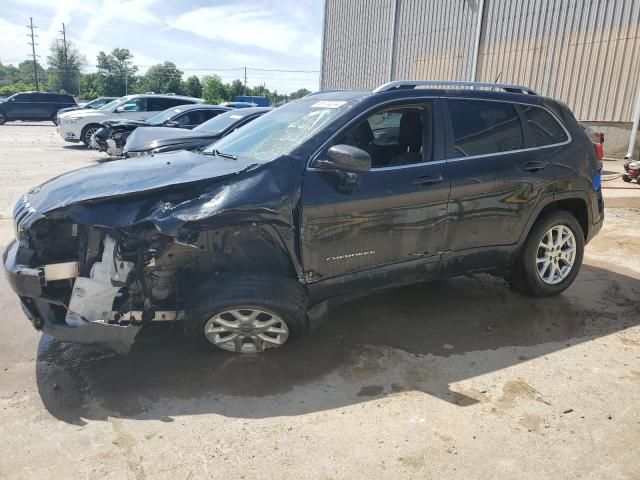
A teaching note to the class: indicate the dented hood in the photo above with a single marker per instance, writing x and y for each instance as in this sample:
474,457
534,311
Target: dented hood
131,176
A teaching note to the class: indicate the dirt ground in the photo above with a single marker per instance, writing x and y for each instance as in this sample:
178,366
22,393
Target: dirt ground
455,379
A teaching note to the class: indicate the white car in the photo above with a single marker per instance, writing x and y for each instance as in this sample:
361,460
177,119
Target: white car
80,125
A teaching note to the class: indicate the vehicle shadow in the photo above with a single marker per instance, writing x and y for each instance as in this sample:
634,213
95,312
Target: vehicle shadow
419,338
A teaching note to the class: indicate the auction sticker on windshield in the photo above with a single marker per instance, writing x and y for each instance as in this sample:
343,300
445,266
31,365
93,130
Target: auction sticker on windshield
328,104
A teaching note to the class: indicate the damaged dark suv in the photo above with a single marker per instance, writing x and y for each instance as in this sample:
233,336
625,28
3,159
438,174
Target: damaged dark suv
340,194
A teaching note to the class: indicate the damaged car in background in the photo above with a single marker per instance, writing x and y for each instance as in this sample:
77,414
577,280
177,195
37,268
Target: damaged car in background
113,134
251,241
148,140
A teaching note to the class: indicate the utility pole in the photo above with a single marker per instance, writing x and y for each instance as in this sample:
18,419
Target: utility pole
66,60
245,80
33,51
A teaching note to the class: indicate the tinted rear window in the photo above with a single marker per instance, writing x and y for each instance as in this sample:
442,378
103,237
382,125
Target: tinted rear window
482,127
544,128
156,103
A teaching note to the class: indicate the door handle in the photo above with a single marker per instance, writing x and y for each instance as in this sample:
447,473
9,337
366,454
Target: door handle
534,166
428,180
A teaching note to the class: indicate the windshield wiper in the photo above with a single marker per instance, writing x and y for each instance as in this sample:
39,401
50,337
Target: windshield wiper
220,154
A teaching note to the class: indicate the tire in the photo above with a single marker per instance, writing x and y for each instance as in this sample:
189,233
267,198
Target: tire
87,132
232,301
53,118
626,177
3,118
526,277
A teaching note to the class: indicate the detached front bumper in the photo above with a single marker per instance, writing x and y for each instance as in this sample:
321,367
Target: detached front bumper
47,314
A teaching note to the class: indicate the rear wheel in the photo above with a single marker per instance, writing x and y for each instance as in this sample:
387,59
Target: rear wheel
551,257
54,118
246,313
626,177
87,133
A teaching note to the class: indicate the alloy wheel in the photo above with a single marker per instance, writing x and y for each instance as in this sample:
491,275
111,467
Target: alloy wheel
246,330
88,134
556,254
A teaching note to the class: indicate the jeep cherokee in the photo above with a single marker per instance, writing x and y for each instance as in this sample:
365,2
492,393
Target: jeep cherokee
337,195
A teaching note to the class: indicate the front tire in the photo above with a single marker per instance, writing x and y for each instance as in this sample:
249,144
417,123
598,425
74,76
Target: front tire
87,133
3,118
551,256
246,313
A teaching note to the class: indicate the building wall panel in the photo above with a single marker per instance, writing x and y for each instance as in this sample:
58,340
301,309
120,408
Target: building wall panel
582,52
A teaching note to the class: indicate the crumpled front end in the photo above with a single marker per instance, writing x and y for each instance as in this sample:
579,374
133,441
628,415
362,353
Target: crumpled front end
97,270
68,277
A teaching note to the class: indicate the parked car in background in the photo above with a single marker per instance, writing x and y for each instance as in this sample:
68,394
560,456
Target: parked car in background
92,105
256,100
114,133
315,203
149,140
34,106
238,104
80,125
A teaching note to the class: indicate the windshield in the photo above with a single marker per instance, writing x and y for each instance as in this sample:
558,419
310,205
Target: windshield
220,123
162,117
278,132
109,106
97,103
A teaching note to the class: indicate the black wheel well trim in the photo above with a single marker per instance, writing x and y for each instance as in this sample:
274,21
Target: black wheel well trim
562,201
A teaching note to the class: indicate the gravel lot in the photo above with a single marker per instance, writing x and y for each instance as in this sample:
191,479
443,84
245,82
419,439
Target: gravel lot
459,379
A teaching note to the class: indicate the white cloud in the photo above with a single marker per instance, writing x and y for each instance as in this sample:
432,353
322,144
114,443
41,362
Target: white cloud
248,23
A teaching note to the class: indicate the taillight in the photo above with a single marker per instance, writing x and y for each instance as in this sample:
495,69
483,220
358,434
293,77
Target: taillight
599,150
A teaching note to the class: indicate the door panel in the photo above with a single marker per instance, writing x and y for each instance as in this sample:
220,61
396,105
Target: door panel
498,177
390,214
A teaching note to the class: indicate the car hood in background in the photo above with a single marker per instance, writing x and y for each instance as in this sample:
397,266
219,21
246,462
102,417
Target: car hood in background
84,113
131,176
125,123
148,138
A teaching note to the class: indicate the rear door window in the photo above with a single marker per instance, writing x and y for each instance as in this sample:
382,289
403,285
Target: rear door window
135,105
484,127
159,104
543,127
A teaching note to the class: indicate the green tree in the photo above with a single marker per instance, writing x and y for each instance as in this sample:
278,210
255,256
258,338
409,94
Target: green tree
117,71
91,86
213,90
64,67
192,87
26,76
299,93
236,88
161,78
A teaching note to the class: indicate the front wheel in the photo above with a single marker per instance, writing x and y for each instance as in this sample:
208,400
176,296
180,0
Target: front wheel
87,133
246,313
3,118
551,257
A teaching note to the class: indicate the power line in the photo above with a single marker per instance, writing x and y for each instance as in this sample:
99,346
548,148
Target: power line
33,50
66,60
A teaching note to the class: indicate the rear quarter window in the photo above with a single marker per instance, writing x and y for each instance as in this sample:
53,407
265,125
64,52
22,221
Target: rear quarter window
484,127
544,128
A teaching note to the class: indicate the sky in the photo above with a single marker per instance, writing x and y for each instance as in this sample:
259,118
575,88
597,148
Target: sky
200,37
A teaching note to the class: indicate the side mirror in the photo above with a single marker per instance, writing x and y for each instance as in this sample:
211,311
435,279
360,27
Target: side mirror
120,109
345,158
172,124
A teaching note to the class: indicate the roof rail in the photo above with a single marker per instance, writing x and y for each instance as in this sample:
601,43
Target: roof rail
408,84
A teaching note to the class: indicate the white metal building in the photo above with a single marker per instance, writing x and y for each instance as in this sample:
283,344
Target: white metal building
584,52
